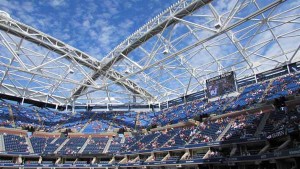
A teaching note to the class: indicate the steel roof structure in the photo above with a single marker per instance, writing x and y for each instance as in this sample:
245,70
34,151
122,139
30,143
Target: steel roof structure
170,56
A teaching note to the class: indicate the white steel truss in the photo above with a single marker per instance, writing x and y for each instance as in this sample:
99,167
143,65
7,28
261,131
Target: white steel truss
169,57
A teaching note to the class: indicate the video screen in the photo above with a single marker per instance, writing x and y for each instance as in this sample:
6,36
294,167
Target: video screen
220,85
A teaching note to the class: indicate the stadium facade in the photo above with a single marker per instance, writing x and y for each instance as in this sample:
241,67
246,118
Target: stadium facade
201,85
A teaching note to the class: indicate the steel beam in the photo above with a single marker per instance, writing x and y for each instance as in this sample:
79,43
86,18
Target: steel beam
21,30
152,28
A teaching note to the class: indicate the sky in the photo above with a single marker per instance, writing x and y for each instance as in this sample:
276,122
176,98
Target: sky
93,26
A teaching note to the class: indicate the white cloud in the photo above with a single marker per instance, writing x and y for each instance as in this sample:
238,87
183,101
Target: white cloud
86,23
57,3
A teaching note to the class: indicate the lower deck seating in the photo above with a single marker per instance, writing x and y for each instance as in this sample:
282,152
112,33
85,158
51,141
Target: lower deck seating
14,143
198,156
38,144
244,126
72,146
47,162
80,162
95,145
51,147
158,158
173,158
6,161
69,162
115,145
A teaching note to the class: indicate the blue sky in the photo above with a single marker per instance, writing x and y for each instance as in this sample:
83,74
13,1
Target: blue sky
93,26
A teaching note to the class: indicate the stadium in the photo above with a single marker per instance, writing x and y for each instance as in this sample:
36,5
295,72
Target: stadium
202,85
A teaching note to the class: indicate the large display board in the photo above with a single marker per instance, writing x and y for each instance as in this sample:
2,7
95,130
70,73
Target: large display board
220,85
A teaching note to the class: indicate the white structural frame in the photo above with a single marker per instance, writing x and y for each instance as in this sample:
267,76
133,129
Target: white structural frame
156,63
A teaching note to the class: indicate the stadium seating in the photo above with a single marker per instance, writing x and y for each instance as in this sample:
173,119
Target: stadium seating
69,162
5,119
53,145
77,121
173,158
127,119
91,122
14,143
95,145
115,145
24,115
38,144
6,161
72,146
283,86
242,126
80,162
47,162
250,95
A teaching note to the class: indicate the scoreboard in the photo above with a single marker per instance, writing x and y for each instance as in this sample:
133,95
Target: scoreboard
220,85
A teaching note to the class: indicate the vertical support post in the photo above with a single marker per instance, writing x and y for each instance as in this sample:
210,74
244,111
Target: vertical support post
235,83
255,78
73,107
22,101
288,68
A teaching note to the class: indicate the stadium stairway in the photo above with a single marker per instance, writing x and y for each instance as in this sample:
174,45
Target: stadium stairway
284,145
166,157
19,160
225,130
75,160
262,124
192,138
63,122
53,141
136,142
30,148
124,160
112,123
266,90
112,160
123,139
185,155
107,145
206,156
88,122
40,160
137,120
220,137
228,103
136,159
38,116
61,146
84,145
2,146
233,150
11,115
153,140
172,138
94,160
150,158
58,161
265,148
